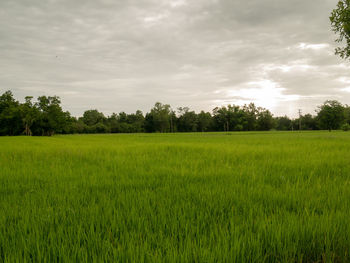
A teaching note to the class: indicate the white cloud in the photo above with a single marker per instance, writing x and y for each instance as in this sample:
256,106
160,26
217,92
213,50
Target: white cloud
304,46
126,55
155,18
178,3
294,66
345,80
265,93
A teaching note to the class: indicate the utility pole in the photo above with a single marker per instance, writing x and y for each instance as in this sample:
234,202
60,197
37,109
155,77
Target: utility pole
299,111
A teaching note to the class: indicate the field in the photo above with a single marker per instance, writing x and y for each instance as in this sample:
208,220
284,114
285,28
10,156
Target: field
210,197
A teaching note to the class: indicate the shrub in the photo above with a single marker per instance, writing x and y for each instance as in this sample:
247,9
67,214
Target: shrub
345,127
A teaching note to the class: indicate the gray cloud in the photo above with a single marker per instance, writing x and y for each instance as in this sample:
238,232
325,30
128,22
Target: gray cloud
128,54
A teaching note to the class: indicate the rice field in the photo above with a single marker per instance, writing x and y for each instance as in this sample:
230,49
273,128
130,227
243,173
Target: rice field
196,197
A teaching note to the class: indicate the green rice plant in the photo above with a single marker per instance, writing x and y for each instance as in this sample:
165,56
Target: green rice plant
194,197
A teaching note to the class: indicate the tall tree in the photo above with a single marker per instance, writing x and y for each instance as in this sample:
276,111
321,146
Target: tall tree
331,115
52,118
235,118
128,123
250,112
136,121
347,114
113,123
29,113
187,121
283,123
308,122
204,121
340,21
159,118
10,115
265,121
92,117
221,119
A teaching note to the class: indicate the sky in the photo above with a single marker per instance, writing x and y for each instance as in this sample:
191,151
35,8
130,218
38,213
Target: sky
124,55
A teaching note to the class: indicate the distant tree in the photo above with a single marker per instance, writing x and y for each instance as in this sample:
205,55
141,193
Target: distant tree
308,122
204,121
237,118
331,115
283,123
113,123
149,122
123,124
127,123
265,121
46,117
340,21
345,127
71,125
136,121
10,115
347,114
29,113
51,119
100,128
187,120
159,118
221,119
173,121
230,118
92,117
250,112
78,126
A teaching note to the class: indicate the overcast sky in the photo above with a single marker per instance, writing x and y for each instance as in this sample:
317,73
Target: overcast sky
124,55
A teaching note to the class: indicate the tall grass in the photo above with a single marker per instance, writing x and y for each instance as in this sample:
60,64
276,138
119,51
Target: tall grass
211,197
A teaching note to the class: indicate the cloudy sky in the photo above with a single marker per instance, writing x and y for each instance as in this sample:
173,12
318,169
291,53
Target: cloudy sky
124,55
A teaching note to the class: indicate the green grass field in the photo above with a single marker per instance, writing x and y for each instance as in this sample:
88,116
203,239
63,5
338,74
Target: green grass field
211,197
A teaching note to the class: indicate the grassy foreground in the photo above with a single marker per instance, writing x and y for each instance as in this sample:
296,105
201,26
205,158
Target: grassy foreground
211,197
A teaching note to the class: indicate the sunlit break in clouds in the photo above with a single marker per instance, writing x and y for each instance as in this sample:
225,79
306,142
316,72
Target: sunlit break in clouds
126,55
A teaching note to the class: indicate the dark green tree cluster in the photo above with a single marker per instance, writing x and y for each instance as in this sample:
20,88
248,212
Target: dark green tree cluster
333,115
246,118
43,117
46,117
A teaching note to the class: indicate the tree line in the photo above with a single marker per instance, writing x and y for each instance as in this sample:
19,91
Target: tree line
45,117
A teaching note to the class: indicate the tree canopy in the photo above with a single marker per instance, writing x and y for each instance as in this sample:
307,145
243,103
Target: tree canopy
331,115
45,116
340,21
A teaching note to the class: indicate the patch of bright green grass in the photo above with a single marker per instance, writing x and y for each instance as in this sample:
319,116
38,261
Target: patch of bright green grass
211,197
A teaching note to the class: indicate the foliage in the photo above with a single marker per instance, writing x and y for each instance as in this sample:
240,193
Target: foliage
340,21
159,119
265,120
51,119
30,113
236,118
331,115
93,117
309,122
10,115
46,117
204,121
284,123
345,127
347,114
187,120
